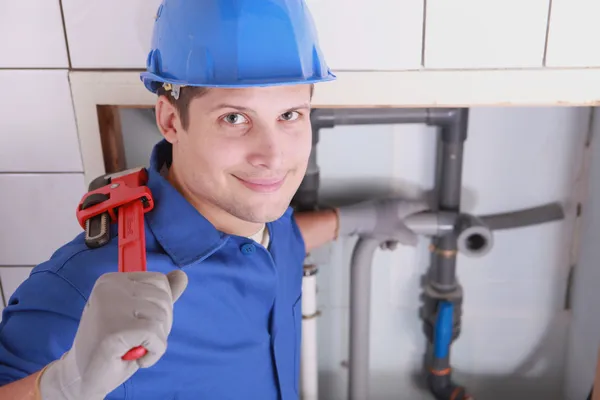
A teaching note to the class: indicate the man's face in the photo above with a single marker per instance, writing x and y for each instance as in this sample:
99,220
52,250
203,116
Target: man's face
246,150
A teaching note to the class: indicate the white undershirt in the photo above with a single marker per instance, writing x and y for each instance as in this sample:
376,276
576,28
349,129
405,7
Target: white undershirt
262,236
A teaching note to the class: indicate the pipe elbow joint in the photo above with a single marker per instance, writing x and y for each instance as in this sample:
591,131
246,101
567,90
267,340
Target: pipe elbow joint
442,388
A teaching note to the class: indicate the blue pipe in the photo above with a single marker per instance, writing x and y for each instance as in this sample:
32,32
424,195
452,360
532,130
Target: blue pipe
443,330
440,376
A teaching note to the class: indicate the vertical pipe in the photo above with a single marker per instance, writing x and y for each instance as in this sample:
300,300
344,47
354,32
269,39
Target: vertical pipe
443,336
360,318
443,271
442,275
309,356
451,181
444,293
306,199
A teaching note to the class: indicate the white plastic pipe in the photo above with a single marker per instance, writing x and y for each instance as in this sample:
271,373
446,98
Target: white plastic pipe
309,371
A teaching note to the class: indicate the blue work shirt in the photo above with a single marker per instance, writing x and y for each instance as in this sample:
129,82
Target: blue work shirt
236,329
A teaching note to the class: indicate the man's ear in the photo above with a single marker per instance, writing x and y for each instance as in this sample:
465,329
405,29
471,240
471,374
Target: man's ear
168,120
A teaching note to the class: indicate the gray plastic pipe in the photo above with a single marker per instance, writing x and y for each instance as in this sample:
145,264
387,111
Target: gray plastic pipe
360,317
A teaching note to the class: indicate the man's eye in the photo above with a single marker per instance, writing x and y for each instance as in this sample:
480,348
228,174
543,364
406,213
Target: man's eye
290,116
235,119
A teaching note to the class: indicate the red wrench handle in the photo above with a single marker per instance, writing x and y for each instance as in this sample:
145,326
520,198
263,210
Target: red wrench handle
132,251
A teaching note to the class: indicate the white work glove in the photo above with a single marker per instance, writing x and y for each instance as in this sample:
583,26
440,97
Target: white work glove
382,220
125,310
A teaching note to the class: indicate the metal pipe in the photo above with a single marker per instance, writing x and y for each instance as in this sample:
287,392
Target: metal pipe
330,117
360,317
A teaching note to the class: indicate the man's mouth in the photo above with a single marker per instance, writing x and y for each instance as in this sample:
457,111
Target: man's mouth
262,185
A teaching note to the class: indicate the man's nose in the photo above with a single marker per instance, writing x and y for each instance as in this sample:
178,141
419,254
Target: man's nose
267,148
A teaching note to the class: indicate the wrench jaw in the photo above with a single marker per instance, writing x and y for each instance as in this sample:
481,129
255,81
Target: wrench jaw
97,228
99,208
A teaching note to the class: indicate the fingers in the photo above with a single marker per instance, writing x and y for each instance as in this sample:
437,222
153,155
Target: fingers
178,281
155,343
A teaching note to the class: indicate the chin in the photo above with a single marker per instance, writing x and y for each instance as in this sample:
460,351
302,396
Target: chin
262,212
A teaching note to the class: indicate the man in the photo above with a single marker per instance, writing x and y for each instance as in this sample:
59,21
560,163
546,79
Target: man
218,311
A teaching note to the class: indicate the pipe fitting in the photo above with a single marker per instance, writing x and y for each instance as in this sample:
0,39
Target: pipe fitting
474,238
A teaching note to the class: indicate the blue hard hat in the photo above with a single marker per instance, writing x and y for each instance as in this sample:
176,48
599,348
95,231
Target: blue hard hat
234,43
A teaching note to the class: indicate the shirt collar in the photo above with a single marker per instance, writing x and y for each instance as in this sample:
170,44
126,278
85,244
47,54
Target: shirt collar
184,234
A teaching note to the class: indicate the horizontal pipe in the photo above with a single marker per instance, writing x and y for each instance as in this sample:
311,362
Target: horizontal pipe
432,223
522,218
443,222
330,117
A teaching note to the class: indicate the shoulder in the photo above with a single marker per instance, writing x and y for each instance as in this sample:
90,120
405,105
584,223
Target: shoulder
288,234
78,265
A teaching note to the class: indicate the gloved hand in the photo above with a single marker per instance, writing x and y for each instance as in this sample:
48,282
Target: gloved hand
382,220
125,310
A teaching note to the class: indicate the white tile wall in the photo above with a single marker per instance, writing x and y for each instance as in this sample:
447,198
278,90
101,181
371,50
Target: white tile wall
37,122
353,37
572,36
32,35
485,34
38,215
378,35
109,33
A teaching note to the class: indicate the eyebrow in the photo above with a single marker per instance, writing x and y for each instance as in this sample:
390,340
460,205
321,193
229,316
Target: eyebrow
245,109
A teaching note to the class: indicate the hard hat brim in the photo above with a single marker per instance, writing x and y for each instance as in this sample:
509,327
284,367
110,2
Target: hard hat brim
152,82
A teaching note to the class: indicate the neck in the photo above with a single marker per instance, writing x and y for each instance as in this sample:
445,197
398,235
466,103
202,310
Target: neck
219,218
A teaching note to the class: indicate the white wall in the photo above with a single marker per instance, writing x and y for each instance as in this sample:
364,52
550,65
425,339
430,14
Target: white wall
514,337
585,331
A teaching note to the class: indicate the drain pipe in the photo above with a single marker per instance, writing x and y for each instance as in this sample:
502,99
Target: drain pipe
306,199
450,230
453,123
